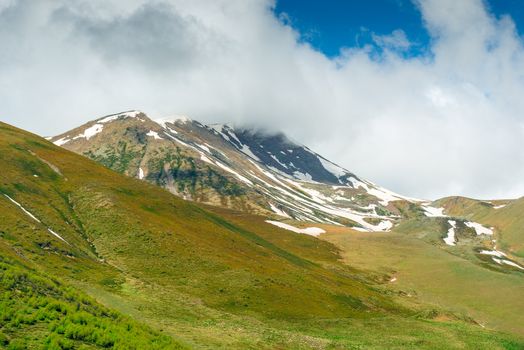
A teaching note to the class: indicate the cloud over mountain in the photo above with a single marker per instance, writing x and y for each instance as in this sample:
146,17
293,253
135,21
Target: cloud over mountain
448,122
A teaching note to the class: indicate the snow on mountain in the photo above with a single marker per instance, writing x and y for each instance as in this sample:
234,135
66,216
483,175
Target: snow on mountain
433,212
450,239
154,135
172,120
479,229
312,231
96,127
128,114
241,168
492,252
28,213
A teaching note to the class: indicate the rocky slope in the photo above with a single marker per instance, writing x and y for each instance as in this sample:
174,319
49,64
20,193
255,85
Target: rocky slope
237,168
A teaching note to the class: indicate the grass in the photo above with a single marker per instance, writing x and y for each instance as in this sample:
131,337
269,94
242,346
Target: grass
38,312
208,279
440,276
507,221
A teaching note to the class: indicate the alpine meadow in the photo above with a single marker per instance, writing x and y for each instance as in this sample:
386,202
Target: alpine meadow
271,190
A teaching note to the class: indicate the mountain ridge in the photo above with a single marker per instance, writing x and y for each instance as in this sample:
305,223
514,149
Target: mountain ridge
268,173
265,173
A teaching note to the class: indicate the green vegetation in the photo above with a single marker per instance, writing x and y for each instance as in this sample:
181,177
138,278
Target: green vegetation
450,278
37,312
165,165
507,220
206,279
120,158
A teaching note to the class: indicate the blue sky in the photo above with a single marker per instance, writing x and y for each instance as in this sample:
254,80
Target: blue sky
329,25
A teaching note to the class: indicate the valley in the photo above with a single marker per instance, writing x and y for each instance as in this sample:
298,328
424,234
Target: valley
194,274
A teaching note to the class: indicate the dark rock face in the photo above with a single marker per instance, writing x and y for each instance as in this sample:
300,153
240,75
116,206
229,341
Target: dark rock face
278,152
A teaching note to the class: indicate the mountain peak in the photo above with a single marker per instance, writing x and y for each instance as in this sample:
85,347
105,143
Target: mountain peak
173,119
94,127
243,168
126,114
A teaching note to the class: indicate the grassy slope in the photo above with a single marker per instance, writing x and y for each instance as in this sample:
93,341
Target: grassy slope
455,289
40,312
445,277
230,282
508,221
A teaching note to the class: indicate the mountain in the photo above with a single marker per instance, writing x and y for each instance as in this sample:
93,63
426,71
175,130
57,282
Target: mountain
86,241
505,216
238,168
266,173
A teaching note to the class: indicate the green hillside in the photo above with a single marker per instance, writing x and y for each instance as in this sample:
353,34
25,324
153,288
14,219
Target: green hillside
447,277
206,279
506,216
41,312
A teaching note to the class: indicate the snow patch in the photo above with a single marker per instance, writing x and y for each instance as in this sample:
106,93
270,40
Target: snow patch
507,262
179,141
231,133
278,211
331,167
247,151
301,176
317,203
511,263
34,217
62,141
171,130
140,173
56,235
218,128
228,134
182,119
450,239
240,177
312,231
206,159
90,132
499,206
492,253
205,148
479,229
433,212
384,225
385,196
277,160
110,118
23,209
154,134
356,183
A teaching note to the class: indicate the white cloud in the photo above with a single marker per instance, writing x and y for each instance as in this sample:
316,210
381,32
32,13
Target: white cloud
397,40
447,123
